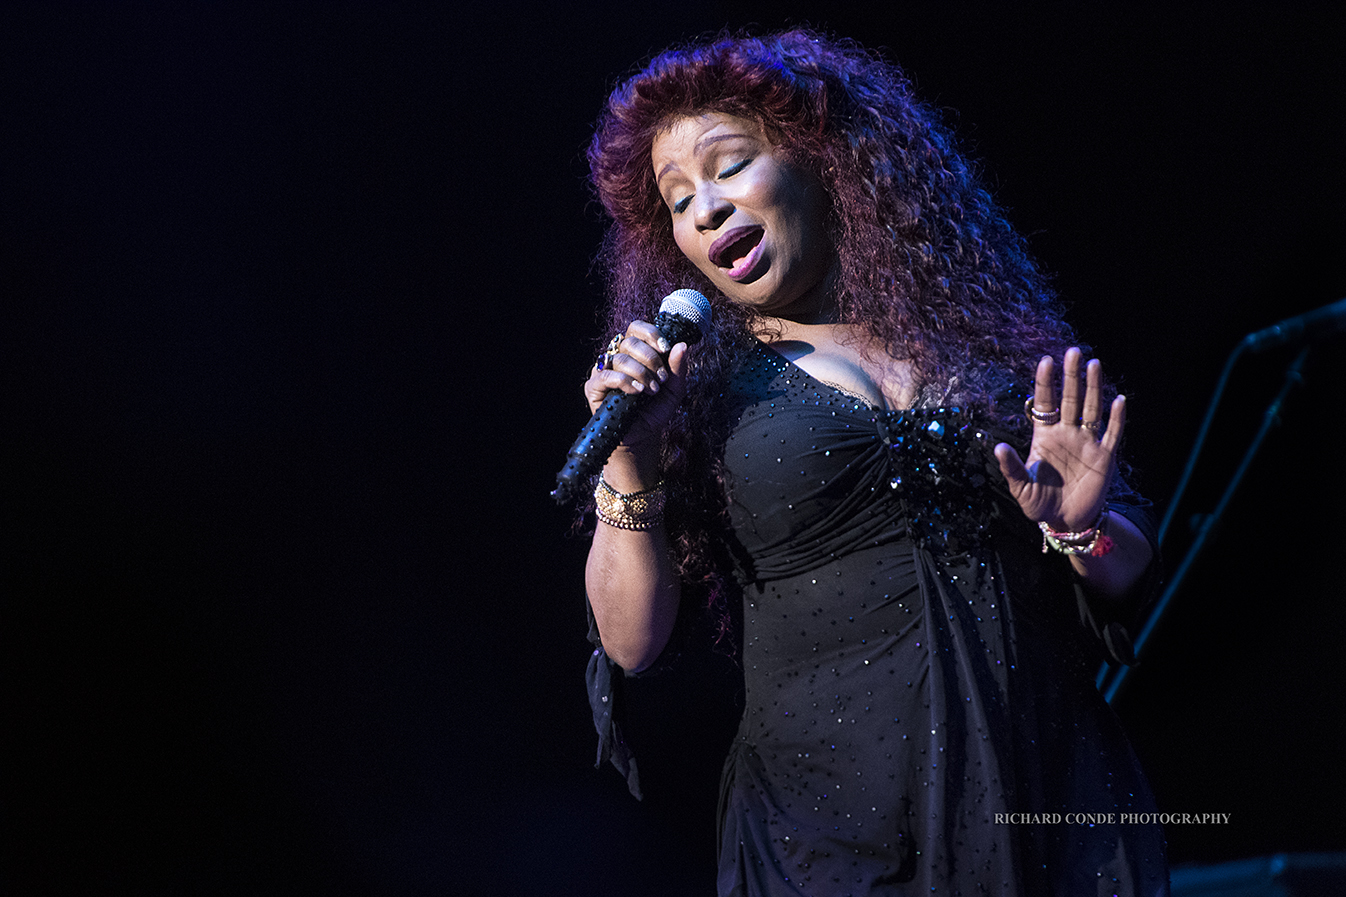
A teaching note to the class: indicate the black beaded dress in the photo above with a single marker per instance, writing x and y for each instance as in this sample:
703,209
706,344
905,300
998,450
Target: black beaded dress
920,711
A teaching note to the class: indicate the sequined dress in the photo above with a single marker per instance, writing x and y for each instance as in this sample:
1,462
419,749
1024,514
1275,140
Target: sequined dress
920,711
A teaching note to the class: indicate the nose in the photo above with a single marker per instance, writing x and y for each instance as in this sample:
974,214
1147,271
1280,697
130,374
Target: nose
711,209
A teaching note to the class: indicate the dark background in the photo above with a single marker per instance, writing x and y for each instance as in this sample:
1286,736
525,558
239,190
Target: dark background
294,309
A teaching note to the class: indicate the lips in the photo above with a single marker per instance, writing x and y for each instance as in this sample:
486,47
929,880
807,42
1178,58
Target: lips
735,245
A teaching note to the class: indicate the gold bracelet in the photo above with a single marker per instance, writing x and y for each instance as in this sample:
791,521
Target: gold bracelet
632,511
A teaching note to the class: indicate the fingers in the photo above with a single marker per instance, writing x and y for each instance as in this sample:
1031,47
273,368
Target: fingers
638,361
1012,467
1081,392
677,362
675,387
633,363
640,357
1071,398
601,382
1093,391
1044,389
650,335
1116,424
1090,414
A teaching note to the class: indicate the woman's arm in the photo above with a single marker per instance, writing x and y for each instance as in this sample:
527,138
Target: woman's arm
632,587
631,583
1114,573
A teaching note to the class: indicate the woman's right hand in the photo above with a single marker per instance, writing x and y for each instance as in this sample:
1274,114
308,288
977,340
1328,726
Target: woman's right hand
637,366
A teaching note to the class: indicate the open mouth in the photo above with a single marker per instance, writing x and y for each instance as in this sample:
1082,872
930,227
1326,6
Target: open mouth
734,248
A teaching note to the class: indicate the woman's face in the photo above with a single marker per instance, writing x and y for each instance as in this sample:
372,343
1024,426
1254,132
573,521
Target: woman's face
751,222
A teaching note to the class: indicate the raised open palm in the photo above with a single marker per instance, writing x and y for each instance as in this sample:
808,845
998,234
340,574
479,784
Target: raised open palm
1064,481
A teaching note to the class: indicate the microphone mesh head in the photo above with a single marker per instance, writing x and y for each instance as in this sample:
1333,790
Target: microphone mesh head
688,304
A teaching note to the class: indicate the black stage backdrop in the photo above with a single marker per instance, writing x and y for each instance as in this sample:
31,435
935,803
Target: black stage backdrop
295,308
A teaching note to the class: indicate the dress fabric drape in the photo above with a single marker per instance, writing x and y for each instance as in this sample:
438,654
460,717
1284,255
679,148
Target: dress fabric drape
920,715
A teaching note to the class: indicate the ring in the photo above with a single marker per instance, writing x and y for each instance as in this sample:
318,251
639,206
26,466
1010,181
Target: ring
1041,417
1093,426
613,345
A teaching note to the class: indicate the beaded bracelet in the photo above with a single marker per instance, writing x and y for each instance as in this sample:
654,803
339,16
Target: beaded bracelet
631,511
1092,541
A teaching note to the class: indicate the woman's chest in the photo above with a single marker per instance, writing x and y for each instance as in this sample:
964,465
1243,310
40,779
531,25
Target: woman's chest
850,362
804,459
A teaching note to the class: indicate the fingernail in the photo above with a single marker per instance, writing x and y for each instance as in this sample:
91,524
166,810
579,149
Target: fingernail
638,386
664,347
654,387
662,373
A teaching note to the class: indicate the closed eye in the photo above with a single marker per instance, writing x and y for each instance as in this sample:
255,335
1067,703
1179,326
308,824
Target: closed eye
735,168
681,205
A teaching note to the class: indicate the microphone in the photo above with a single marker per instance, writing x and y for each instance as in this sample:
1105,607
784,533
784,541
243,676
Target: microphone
1304,328
684,317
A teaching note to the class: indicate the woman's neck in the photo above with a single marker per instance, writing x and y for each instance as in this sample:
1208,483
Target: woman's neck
817,306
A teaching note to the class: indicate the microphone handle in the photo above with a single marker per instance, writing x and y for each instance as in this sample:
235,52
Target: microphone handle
596,442
604,431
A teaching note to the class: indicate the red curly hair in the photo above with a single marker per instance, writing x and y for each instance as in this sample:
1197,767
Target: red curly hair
928,265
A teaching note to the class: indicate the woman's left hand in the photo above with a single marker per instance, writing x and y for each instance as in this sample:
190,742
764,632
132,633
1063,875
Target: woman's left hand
1065,480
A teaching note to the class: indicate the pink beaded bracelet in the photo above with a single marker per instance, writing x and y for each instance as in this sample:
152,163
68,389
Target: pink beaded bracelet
1092,541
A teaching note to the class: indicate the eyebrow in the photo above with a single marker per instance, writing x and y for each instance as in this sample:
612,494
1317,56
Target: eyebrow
716,138
699,146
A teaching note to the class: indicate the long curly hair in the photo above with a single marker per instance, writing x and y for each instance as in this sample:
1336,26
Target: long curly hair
927,264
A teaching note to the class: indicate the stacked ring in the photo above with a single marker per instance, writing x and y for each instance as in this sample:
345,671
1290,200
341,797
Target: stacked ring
1041,417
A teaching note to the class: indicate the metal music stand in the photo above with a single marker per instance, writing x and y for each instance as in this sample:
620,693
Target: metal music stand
1110,678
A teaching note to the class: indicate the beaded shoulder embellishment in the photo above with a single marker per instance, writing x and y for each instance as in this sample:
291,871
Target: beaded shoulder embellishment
943,463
